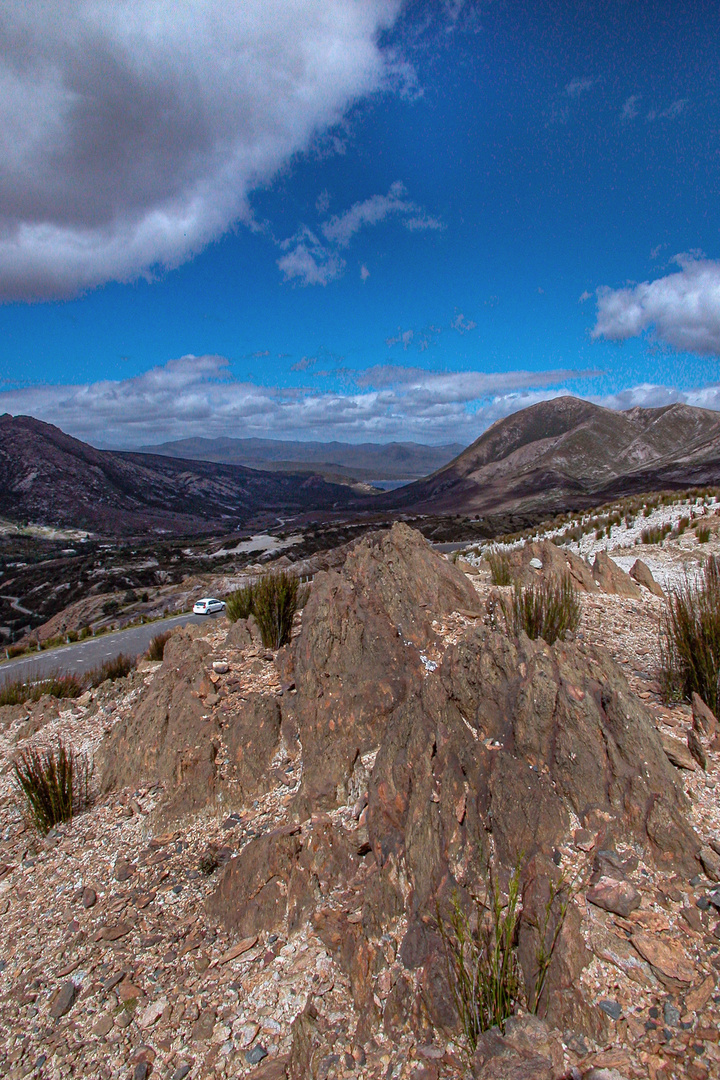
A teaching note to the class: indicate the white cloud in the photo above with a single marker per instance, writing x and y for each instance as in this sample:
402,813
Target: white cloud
364,272
309,261
682,309
630,107
341,228
199,396
461,324
134,132
577,87
403,337
677,108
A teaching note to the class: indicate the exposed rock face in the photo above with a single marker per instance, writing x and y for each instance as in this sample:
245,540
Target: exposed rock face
360,652
497,752
612,578
642,573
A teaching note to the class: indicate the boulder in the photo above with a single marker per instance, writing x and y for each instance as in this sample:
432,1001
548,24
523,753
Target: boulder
704,721
543,560
611,578
641,573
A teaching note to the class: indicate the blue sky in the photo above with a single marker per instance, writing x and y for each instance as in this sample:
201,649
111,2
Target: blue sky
331,219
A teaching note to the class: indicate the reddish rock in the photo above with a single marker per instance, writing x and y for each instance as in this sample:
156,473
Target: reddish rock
611,578
619,897
641,573
696,748
704,721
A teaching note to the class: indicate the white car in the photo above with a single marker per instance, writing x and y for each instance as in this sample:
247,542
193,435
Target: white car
207,605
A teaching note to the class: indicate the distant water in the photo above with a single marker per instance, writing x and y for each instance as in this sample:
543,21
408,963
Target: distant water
390,485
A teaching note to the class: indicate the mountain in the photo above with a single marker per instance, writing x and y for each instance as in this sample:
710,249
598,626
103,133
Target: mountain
365,461
567,453
47,476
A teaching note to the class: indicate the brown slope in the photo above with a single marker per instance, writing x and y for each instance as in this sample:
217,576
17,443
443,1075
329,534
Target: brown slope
567,452
47,476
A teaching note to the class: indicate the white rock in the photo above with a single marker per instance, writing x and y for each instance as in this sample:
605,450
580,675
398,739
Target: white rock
152,1013
221,667
536,564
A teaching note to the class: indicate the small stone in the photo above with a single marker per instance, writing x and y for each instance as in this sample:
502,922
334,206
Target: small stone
152,1013
665,957
204,1025
256,1055
64,999
619,897
124,869
704,720
102,1025
536,564
698,998
246,1034
677,752
710,862
696,748
123,1020
141,1071
89,897
671,1014
181,1072
221,667
612,1008
711,898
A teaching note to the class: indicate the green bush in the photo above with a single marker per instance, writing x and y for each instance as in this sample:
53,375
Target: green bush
702,533
691,638
55,784
72,635
655,534
57,686
500,566
275,601
550,610
239,604
85,632
110,607
156,648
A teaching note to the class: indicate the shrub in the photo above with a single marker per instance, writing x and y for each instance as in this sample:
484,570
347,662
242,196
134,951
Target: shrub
239,604
72,635
58,686
110,607
15,650
550,610
690,654
500,567
275,601
655,534
55,784
702,533
647,511
85,632
116,668
156,648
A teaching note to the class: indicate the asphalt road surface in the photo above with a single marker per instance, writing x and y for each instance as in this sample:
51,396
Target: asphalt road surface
86,655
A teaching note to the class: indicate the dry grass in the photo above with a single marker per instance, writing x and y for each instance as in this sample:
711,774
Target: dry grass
55,784
691,638
550,610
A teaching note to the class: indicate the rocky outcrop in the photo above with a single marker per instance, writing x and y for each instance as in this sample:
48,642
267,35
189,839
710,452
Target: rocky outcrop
482,765
543,560
642,573
360,653
612,578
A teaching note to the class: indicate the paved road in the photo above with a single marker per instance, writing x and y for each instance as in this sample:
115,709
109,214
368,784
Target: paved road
89,654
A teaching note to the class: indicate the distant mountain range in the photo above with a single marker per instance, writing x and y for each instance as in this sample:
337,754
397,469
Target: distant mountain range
47,476
567,453
369,462
557,455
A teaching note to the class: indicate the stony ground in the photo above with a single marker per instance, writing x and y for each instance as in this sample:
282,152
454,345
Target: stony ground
110,967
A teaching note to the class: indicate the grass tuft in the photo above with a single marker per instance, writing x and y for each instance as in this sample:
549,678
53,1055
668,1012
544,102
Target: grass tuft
550,610
156,648
239,604
116,668
55,784
57,686
702,532
690,654
273,600
500,567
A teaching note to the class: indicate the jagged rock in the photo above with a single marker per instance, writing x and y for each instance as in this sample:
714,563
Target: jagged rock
696,748
238,636
704,720
642,573
677,752
668,959
711,863
359,654
252,892
63,1000
611,578
496,1058
252,738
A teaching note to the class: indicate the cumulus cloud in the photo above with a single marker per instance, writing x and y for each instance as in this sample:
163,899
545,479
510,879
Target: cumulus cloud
134,132
199,396
577,87
681,309
308,261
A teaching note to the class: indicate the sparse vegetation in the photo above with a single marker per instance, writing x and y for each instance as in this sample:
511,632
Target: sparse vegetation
500,566
239,604
702,532
655,534
550,610
691,638
58,686
481,957
55,784
116,668
156,648
273,600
